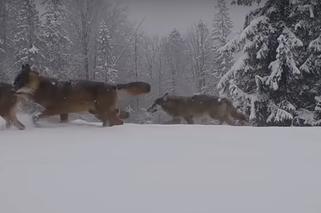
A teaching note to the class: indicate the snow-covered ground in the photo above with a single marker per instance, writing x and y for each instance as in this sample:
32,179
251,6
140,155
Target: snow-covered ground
83,168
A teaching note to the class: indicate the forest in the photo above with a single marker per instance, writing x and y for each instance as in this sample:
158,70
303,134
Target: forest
271,70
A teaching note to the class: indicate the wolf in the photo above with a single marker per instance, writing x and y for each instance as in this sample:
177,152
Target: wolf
8,105
188,108
63,97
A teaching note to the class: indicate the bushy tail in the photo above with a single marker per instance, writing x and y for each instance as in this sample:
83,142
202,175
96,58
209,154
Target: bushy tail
134,88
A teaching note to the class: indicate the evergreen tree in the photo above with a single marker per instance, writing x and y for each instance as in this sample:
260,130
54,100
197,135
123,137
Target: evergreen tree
105,67
201,57
176,55
277,74
221,29
56,38
27,43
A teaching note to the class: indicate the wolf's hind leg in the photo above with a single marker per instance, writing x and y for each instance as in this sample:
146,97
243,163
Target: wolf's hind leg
12,119
229,120
18,124
64,117
8,122
110,117
189,119
215,117
113,118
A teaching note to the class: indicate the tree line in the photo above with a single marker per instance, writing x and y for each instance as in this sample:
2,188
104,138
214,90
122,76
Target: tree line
94,40
271,70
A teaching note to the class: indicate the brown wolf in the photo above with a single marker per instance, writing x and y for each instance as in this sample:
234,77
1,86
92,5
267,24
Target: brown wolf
8,104
63,97
196,106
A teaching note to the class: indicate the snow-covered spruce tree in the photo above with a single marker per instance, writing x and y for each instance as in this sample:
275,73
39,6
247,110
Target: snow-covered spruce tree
221,29
57,51
27,44
105,67
278,73
199,48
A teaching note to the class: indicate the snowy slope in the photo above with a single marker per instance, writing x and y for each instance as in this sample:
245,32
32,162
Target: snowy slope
83,168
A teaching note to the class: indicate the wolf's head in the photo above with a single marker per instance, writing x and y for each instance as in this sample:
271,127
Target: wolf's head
158,102
27,81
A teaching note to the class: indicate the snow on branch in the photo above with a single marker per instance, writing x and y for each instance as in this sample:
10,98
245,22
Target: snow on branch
315,45
284,58
309,8
232,45
239,65
307,65
254,99
238,93
33,49
288,106
263,52
318,103
291,39
253,27
275,77
278,115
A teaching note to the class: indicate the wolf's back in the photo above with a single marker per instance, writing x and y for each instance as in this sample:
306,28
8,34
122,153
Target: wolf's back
134,88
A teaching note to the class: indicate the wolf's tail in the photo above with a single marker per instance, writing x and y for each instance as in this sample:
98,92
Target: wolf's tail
134,88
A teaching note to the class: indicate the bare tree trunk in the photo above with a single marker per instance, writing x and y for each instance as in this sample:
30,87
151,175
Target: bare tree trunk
4,22
136,66
3,12
95,60
160,79
85,40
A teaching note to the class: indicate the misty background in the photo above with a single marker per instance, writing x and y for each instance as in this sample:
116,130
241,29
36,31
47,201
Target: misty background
163,16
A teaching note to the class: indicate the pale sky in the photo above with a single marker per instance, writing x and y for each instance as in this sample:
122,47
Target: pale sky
162,16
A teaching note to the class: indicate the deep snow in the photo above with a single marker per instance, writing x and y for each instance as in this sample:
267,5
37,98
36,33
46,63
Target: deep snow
83,168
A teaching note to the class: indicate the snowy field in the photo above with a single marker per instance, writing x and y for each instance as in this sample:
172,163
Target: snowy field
83,168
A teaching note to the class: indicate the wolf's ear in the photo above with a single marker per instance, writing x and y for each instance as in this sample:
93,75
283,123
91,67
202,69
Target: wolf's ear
26,68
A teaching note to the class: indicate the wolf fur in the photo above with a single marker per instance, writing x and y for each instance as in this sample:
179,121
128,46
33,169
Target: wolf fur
188,108
63,97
